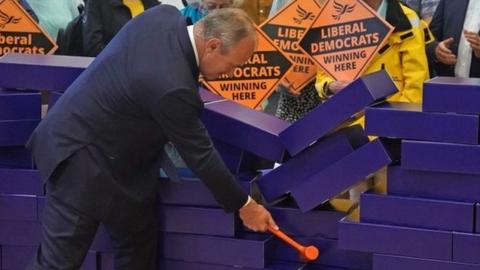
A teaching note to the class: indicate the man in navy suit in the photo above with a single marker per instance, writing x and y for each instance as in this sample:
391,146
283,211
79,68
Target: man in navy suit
456,25
99,149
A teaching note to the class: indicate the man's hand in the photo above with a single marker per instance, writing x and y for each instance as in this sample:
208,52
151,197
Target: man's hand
337,86
255,217
474,40
444,54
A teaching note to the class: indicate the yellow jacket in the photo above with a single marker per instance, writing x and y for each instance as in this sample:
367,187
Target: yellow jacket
403,56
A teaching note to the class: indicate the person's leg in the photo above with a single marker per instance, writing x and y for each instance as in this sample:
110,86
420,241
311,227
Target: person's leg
66,237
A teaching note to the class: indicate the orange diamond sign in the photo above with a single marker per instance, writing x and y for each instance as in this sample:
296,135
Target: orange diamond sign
19,33
285,29
345,37
254,81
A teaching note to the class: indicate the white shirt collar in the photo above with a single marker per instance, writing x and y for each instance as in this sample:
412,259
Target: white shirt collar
192,40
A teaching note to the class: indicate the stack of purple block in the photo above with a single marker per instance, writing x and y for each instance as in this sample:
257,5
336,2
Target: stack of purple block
429,218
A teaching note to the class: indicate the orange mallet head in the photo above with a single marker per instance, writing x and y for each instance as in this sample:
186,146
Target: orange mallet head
309,253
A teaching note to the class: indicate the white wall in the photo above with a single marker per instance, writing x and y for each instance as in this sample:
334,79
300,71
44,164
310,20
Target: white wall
177,3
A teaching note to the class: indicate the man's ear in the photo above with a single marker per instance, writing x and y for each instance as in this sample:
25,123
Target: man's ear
212,45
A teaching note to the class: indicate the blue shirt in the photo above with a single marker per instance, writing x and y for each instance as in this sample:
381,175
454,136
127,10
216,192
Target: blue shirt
193,12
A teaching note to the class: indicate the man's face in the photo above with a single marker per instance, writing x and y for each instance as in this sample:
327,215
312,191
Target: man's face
209,5
213,63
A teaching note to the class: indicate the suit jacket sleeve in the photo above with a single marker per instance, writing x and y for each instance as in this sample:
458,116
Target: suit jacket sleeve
178,112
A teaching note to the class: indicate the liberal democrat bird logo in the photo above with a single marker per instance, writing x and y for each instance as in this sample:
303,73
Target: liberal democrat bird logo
6,19
342,9
303,15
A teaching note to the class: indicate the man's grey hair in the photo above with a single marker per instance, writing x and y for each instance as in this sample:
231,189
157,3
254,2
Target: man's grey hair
230,25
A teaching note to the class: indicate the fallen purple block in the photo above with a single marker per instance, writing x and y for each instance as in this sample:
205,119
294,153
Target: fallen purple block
190,192
17,105
440,157
466,247
20,181
450,94
387,262
246,252
416,212
336,110
16,132
341,175
433,185
195,220
181,265
18,207
412,123
41,72
23,233
208,96
247,129
295,171
395,240
15,157
477,218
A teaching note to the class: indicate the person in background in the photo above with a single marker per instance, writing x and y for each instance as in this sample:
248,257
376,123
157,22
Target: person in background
403,57
424,8
456,26
104,18
197,9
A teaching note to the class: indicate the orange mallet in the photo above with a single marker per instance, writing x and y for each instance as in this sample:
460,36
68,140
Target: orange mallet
309,253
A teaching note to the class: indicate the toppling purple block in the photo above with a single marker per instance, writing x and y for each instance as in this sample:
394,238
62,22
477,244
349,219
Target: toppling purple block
16,132
41,72
295,171
181,265
17,105
247,129
195,220
466,247
19,181
395,240
18,257
26,233
53,98
318,223
190,192
208,96
433,185
450,94
15,157
415,212
240,161
341,175
441,157
387,262
412,123
336,110
18,207
330,254
245,252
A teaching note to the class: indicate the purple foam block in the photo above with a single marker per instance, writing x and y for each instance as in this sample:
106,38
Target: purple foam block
477,218
194,220
250,130
15,157
16,105
190,192
341,175
412,123
295,171
181,265
415,212
239,161
387,262
433,185
16,132
317,223
330,254
41,72
20,181
336,110
18,207
19,233
53,98
395,240
450,94
466,247
208,96
441,157
215,250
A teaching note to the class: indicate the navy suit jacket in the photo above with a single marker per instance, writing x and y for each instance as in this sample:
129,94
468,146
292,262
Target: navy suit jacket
138,94
448,22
